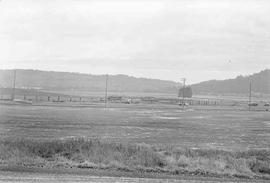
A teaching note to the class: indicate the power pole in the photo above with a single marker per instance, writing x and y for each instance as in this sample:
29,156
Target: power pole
14,85
37,95
106,91
249,103
184,83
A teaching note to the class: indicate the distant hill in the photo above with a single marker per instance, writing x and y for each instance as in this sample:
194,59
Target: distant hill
49,80
260,84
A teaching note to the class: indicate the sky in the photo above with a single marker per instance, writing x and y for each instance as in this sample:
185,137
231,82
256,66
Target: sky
170,39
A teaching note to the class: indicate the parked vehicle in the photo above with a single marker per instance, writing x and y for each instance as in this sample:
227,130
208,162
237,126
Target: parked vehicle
183,104
253,104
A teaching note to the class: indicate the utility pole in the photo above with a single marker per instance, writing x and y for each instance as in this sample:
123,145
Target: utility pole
106,91
37,95
14,85
249,103
184,83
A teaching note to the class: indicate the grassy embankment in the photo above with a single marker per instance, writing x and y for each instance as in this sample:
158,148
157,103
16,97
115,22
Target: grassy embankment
103,155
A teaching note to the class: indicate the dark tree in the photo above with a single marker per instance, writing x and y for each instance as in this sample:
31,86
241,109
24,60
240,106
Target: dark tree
187,92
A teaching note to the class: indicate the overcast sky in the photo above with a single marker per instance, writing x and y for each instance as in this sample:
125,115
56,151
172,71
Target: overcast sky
196,39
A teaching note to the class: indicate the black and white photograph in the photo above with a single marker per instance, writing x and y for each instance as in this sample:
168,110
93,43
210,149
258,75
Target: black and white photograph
134,91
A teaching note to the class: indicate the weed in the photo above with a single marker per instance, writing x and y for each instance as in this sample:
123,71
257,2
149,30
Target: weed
98,154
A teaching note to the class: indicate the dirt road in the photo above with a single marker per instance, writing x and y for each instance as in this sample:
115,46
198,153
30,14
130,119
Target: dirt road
14,177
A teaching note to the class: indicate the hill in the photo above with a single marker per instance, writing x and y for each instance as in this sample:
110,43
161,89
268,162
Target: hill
49,80
240,85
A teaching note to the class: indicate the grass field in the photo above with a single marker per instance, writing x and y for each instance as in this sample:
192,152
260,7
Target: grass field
226,128
164,139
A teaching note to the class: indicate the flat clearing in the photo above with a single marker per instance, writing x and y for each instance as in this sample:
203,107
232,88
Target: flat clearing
206,128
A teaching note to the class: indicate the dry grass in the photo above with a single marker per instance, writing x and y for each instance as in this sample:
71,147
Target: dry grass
97,154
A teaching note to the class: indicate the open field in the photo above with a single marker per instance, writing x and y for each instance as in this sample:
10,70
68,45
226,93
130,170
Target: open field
223,128
207,141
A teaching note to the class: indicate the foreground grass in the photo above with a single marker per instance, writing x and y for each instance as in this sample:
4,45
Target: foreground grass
96,154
